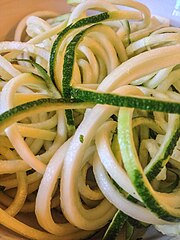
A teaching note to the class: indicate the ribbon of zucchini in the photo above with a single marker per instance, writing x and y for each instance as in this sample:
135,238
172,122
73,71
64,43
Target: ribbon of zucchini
19,112
115,226
167,147
150,198
143,103
43,73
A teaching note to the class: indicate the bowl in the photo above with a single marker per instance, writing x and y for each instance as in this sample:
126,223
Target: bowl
14,11
169,9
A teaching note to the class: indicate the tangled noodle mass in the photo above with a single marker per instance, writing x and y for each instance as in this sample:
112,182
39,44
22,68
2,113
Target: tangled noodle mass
89,123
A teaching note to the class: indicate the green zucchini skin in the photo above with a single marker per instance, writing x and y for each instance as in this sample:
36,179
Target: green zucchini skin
149,201
69,59
115,226
69,64
61,36
156,168
43,73
148,104
45,104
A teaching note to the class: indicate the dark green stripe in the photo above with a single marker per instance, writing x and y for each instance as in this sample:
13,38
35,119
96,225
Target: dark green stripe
82,22
157,167
126,101
115,226
70,122
148,200
34,104
69,59
50,85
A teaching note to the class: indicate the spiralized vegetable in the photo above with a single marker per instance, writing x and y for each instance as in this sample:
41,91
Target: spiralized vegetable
71,156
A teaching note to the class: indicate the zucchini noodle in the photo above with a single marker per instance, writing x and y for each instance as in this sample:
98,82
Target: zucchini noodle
90,123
